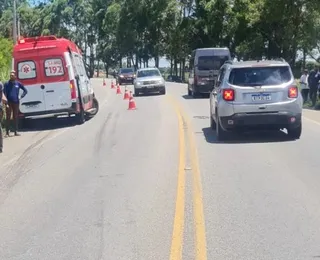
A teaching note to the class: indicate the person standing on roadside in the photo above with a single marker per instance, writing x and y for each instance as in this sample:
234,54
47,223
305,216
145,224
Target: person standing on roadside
2,103
11,91
313,81
304,86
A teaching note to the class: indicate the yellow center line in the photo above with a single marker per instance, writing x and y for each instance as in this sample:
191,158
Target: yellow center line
199,222
201,244
178,226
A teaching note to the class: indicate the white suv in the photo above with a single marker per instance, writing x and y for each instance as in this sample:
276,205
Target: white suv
253,95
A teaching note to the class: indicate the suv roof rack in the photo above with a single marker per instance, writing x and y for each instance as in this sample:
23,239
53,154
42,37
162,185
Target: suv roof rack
275,59
228,62
279,59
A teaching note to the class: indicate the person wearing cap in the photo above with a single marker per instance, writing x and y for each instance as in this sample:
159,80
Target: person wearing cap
304,86
11,91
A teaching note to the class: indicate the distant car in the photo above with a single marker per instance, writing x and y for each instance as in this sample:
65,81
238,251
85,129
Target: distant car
255,95
126,75
149,80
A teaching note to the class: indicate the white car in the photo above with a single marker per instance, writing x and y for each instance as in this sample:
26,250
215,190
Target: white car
149,80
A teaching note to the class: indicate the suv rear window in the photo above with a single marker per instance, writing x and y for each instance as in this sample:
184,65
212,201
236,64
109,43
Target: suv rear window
259,76
53,67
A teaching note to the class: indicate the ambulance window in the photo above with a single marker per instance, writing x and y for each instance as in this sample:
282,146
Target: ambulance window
76,61
83,71
80,66
27,70
53,67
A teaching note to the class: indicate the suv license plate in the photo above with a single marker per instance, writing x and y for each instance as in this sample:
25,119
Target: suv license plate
262,97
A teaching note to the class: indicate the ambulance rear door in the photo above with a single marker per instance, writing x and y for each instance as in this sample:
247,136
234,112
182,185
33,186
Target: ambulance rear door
29,74
56,86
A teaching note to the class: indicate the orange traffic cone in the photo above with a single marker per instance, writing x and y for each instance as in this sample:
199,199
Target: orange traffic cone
126,94
132,104
118,90
112,84
104,82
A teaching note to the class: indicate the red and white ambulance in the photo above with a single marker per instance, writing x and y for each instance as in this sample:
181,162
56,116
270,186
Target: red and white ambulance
53,72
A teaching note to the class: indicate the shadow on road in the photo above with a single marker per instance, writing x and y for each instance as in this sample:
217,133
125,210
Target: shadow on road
48,124
148,95
250,137
198,97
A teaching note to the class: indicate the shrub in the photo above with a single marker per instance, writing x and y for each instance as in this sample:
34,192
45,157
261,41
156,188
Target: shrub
6,47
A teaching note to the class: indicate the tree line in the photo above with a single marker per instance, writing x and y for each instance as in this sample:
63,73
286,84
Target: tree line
139,30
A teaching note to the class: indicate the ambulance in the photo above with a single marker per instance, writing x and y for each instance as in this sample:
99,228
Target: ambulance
53,72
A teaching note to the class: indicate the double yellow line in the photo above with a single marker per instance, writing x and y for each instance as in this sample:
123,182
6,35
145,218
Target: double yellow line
186,137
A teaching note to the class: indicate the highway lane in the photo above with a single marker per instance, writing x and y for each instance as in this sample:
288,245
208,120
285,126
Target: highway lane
102,190
155,184
260,193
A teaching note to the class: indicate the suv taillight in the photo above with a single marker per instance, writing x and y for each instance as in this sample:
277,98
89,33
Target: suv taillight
73,89
228,94
293,92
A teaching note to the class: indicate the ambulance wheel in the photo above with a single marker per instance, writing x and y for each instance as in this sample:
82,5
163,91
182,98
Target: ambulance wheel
81,117
95,104
95,107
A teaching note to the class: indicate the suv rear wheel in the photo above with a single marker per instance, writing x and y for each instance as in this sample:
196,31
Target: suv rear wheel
220,132
212,122
295,133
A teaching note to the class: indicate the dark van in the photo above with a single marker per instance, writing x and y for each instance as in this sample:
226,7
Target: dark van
204,68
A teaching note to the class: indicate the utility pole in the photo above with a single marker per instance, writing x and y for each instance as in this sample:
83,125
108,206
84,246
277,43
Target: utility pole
18,22
14,34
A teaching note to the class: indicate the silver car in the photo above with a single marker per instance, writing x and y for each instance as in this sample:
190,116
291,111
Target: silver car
149,80
255,95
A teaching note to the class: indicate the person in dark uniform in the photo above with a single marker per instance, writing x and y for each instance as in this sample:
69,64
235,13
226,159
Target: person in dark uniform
313,81
11,91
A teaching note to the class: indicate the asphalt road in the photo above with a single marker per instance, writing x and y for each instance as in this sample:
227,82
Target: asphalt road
155,184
